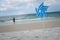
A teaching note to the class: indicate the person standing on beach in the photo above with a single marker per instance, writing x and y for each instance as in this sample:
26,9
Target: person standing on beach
14,20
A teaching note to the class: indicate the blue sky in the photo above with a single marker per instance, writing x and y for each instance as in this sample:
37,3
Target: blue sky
18,7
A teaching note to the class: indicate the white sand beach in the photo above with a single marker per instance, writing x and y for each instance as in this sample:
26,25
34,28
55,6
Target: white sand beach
37,34
44,30
31,30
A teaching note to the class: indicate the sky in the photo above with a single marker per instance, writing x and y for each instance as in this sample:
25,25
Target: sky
18,7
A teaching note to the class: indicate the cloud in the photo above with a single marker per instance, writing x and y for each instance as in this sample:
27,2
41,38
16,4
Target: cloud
20,0
25,6
15,4
2,9
49,2
53,5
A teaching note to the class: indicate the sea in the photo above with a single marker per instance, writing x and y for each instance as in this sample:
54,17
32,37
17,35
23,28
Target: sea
29,17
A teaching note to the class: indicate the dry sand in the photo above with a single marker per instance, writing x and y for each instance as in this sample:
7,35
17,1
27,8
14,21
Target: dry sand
39,34
29,26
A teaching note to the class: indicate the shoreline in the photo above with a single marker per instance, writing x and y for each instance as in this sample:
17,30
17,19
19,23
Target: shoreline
28,21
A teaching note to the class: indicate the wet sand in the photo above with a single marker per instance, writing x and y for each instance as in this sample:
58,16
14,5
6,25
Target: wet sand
29,26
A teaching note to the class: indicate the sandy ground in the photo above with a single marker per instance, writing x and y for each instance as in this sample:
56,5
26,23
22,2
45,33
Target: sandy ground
29,26
38,34
46,30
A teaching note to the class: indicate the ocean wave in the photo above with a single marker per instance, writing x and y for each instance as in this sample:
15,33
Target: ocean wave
27,19
30,17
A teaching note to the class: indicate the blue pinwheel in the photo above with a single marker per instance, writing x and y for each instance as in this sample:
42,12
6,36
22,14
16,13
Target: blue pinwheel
41,10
